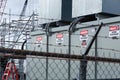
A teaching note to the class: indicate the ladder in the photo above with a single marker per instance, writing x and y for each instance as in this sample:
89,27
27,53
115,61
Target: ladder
10,72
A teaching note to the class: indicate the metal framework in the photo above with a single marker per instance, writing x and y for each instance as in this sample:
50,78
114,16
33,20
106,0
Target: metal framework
2,8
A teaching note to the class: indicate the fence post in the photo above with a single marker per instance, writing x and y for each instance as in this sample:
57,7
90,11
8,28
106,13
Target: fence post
47,48
83,69
96,54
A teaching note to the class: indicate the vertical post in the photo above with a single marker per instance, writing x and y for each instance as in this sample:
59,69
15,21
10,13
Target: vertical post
83,69
33,19
69,52
4,33
96,46
9,27
21,69
96,54
26,39
47,48
0,69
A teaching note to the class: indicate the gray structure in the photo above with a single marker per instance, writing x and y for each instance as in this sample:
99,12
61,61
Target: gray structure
104,46
88,7
55,10
50,10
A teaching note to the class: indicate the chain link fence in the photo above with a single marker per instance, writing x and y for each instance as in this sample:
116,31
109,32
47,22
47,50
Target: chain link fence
55,66
58,69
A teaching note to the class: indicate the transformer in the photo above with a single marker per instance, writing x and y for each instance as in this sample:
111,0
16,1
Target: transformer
89,7
80,39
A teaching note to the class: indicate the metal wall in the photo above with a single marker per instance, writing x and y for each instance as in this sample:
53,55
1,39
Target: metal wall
88,7
50,10
106,45
111,6
55,10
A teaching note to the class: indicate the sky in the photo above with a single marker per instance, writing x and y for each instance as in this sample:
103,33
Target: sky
15,7
48,9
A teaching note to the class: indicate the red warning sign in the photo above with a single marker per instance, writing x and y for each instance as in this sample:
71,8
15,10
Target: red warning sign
113,28
83,35
59,38
84,32
84,43
38,41
113,31
59,35
39,38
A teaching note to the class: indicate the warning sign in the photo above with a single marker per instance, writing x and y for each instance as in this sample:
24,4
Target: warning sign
83,35
84,43
39,40
113,31
59,38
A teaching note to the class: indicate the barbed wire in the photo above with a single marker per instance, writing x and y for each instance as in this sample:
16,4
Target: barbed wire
77,46
29,16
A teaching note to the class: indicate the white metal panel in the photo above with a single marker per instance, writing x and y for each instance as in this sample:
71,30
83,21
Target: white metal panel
50,10
86,7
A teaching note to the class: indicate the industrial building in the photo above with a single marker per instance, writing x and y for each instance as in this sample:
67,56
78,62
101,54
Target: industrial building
61,40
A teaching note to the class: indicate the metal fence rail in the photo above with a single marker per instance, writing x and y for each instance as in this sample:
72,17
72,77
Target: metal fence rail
97,68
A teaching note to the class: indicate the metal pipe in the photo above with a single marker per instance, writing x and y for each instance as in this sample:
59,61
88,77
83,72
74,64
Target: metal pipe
71,29
96,54
33,24
93,39
96,46
69,53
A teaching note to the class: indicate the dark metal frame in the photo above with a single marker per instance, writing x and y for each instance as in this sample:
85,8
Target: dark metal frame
22,54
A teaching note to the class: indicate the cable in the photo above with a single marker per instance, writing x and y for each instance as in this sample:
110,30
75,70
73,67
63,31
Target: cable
28,16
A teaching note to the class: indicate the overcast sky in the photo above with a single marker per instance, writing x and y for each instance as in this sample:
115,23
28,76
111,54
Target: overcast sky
47,9
15,7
